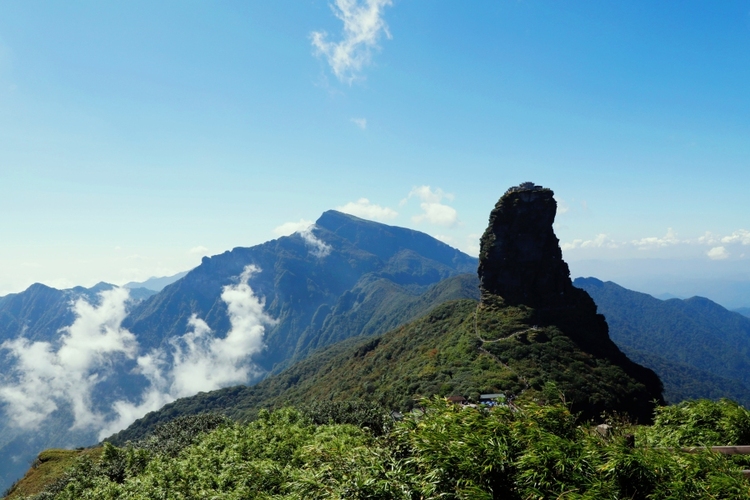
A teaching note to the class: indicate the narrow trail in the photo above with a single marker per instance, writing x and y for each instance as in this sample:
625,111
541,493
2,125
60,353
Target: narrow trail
483,341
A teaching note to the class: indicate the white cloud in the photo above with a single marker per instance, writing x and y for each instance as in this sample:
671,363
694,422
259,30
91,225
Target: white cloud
427,194
289,228
363,27
562,207
708,239
740,236
46,378
448,240
437,213
433,211
718,253
363,208
317,247
719,247
200,361
360,122
305,229
601,241
199,250
471,246
653,242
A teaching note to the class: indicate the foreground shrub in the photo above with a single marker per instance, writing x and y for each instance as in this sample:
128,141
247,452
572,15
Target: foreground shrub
699,423
441,451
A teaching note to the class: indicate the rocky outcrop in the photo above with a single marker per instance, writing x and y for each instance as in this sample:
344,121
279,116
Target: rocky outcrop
520,257
521,261
521,264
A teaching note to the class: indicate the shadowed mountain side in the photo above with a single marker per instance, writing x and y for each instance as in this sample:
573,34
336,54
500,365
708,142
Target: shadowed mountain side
377,305
695,332
684,382
301,286
457,348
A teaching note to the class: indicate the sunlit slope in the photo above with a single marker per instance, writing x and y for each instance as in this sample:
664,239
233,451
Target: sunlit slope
459,348
307,286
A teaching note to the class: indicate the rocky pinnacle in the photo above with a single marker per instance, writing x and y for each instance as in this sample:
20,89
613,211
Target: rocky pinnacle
520,257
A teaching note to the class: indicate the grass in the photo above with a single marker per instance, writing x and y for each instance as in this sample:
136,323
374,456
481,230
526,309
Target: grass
48,467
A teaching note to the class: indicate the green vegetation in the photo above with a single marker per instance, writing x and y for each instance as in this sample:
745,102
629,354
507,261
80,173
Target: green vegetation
459,348
524,451
700,423
48,467
698,348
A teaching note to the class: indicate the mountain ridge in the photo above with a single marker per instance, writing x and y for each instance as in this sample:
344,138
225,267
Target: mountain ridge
694,335
321,285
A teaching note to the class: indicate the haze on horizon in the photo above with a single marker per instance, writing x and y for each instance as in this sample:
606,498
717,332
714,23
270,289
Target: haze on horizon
136,138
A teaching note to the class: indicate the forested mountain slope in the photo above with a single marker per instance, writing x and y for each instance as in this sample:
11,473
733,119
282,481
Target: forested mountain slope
344,277
532,335
698,348
309,281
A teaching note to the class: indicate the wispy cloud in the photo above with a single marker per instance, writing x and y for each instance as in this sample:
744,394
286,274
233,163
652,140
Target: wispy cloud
600,241
199,250
360,122
720,247
741,236
363,208
655,242
562,207
289,228
48,376
363,27
201,361
433,211
471,245
317,247
305,229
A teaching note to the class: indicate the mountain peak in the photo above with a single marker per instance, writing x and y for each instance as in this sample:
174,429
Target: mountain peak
330,219
520,257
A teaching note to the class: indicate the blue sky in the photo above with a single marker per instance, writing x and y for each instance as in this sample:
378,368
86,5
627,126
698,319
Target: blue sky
136,137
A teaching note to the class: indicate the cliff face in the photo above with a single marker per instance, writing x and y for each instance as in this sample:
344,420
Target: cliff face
521,261
520,257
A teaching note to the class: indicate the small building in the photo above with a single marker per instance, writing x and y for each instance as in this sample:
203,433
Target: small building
492,398
459,400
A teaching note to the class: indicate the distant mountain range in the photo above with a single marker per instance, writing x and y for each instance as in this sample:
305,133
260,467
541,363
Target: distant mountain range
314,306
698,348
277,301
39,312
155,284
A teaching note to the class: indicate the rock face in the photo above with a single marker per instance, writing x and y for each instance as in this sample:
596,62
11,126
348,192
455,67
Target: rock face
520,258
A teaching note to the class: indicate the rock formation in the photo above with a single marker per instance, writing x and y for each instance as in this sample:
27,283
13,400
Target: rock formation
520,263
520,258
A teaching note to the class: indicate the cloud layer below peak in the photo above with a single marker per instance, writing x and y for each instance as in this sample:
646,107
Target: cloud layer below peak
49,376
